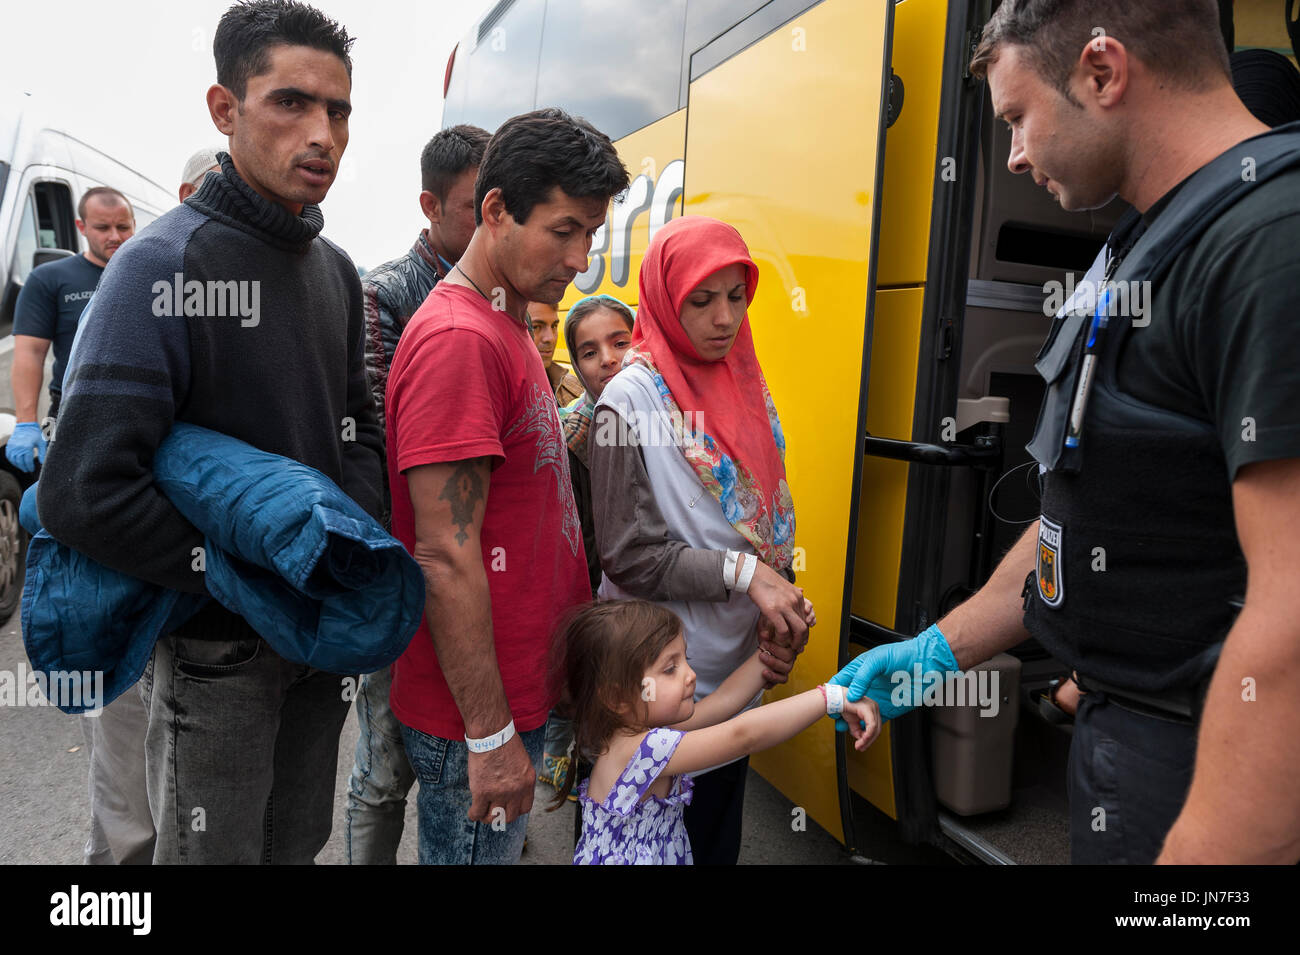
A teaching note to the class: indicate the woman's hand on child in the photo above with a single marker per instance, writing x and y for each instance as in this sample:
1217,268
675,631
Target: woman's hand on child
780,602
863,719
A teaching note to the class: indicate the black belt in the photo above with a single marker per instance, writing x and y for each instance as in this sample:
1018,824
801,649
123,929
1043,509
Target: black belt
1183,707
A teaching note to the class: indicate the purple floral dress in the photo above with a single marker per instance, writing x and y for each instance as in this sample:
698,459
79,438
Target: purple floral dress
626,830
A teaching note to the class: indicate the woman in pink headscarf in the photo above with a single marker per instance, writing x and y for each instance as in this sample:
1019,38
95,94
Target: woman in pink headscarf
692,507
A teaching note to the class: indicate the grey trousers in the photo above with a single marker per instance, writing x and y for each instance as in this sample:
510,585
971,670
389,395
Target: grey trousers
381,778
121,826
241,753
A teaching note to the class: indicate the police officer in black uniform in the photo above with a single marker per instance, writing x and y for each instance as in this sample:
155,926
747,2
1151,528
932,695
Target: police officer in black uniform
1164,567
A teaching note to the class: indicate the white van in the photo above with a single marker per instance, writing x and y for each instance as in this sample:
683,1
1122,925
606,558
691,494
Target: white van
44,170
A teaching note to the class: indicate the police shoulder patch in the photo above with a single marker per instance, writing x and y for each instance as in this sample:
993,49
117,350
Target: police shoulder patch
1051,583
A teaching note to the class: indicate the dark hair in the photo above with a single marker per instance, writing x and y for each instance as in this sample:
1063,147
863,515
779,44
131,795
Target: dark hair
1178,39
248,30
448,154
607,646
102,192
534,152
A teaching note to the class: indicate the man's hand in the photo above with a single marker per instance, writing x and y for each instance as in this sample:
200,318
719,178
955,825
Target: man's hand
25,445
501,780
449,500
781,603
862,718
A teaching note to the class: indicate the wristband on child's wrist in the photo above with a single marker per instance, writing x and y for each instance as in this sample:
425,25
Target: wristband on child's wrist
834,696
489,743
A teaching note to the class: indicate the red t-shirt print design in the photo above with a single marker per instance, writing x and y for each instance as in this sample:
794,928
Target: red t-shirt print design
541,416
467,382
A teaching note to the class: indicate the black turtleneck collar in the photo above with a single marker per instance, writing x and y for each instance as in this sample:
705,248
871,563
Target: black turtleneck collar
229,199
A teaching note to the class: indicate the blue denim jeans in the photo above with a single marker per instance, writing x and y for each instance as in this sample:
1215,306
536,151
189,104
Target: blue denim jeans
241,752
447,835
381,778
559,735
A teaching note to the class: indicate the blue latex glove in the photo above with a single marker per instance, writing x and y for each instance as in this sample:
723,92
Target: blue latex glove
870,674
24,445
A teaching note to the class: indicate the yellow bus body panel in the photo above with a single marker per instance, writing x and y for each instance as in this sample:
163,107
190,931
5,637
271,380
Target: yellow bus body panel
774,149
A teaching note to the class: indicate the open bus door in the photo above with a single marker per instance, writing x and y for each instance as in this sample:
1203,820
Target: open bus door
967,250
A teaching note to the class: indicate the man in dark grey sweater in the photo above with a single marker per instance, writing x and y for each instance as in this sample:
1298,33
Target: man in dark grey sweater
230,312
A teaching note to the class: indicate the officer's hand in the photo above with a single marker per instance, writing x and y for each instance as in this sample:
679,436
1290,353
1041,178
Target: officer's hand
25,445
872,673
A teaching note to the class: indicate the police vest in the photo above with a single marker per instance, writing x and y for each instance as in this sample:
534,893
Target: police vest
1139,574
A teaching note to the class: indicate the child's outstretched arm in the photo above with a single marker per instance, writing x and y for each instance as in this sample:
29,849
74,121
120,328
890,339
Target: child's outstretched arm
768,725
731,697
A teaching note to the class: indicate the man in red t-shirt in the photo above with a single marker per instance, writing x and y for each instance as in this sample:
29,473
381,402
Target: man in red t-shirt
481,493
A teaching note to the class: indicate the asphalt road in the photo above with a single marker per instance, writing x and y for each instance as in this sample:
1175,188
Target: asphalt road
44,808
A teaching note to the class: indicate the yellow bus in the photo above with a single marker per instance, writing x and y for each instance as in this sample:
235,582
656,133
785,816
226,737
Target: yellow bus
906,288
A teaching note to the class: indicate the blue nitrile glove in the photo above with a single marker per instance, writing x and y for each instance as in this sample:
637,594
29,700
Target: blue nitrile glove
871,673
23,443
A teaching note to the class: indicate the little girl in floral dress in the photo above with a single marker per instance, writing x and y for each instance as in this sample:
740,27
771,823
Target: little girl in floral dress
636,719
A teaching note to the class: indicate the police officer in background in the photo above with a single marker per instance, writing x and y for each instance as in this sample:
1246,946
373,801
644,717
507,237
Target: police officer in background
1163,567
48,310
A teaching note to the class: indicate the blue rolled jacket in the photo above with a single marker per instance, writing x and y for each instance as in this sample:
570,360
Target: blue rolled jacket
316,576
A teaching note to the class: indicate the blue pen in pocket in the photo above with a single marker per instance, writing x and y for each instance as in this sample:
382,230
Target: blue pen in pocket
1096,333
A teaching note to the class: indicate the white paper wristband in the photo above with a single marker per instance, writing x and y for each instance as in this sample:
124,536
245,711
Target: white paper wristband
834,699
746,573
489,743
729,569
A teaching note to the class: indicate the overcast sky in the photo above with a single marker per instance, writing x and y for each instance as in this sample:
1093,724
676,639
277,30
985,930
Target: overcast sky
130,77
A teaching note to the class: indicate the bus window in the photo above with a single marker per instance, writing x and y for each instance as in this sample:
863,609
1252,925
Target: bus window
618,73
28,242
706,20
498,76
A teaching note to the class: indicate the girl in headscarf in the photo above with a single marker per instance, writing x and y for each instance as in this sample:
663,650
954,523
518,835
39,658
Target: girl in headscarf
691,503
597,332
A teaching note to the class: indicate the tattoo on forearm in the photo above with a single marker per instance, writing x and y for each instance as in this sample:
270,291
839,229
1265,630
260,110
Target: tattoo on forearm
464,491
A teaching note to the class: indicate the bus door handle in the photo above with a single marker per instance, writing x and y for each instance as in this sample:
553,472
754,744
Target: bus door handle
985,453
870,634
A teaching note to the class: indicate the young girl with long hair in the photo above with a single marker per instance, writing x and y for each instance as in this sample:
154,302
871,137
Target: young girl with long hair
636,719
